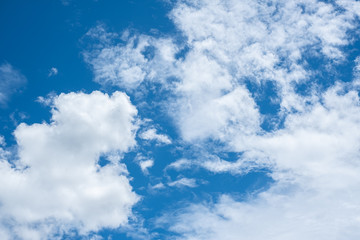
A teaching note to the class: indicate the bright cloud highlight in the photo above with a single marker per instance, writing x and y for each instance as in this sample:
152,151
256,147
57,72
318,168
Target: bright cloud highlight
56,185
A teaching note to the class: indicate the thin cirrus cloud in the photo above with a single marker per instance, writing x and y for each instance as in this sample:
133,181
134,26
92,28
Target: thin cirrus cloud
57,186
11,82
53,72
313,155
183,182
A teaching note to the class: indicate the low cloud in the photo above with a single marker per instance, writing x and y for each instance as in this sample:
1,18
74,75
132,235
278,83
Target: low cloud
312,153
57,184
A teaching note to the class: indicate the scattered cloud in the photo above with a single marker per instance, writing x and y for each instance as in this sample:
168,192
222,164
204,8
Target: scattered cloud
151,134
315,190
180,164
65,2
248,161
53,72
183,182
356,73
144,165
312,156
228,43
11,82
158,186
2,140
128,63
222,49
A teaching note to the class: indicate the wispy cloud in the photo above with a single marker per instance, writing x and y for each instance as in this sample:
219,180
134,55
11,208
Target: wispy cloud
151,134
2,140
183,182
53,72
11,82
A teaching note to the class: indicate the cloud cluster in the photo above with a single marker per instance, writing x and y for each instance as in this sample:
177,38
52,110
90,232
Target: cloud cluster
231,45
128,63
316,164
56,185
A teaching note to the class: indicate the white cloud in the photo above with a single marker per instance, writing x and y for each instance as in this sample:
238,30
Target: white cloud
321,142
127,65
4,154
11,80
203,116
245,163
275,217
314,158
183,182
144,165
316,161
100,34
151,134
356,72
158,186
57,184
232,41
351,6
242,165
180,164
53,72
109,66
2,140
229,42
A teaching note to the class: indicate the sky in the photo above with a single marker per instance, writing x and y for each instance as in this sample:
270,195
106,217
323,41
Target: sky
180,120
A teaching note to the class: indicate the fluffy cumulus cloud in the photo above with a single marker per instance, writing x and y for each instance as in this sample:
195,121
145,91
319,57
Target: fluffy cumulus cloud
11,81
236,42
231,49
315,161
228,44
314,158
56,185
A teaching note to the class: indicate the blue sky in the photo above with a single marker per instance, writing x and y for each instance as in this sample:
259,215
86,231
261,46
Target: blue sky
180,119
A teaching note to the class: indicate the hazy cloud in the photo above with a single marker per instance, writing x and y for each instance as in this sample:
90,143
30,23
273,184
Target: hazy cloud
11,82
53,72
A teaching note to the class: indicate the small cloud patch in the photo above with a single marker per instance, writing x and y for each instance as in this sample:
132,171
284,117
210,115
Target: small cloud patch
53,72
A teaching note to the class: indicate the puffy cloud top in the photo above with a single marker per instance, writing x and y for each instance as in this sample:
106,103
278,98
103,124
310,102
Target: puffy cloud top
57,184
